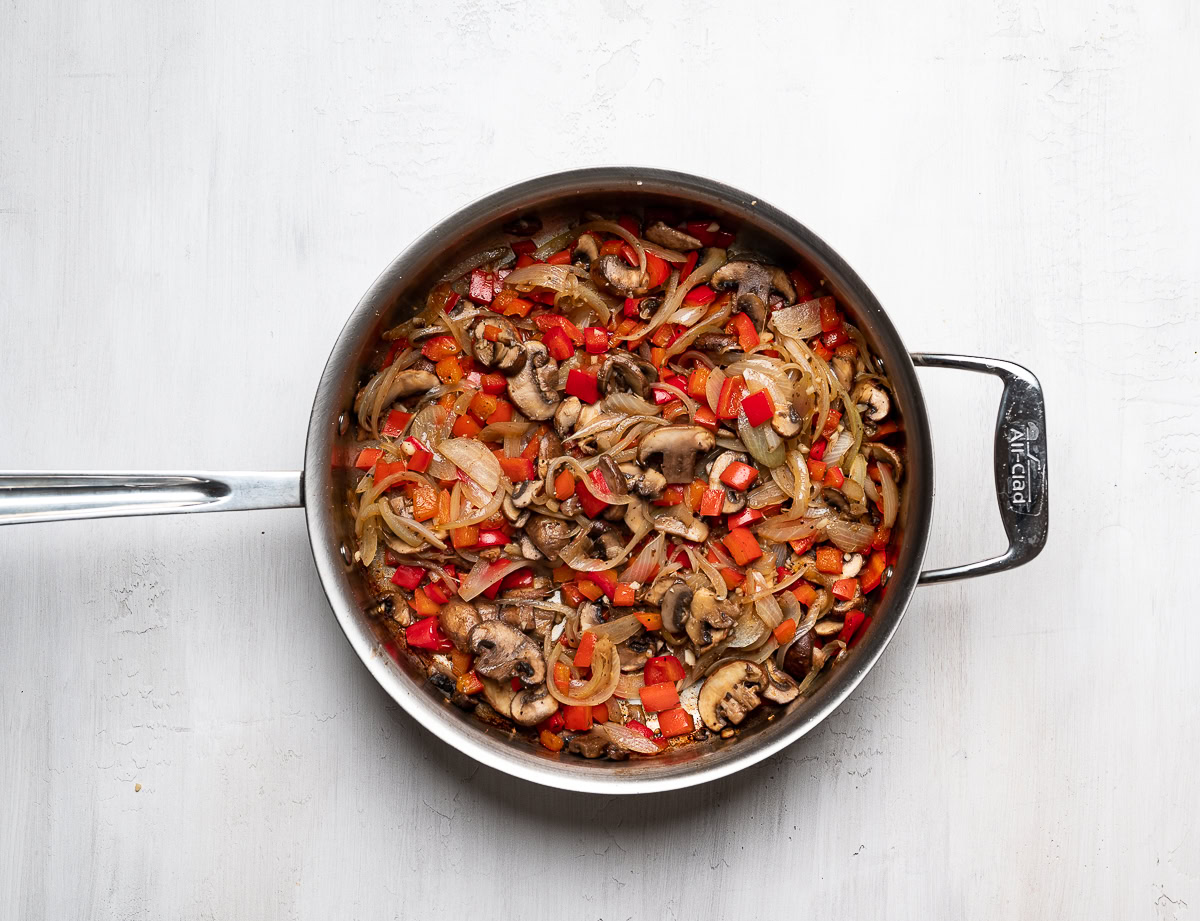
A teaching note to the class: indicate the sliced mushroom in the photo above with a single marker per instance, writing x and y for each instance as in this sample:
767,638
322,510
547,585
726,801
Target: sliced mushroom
567,415
502,651
589,615
830,626
786,421
843,370
648,484
890,456
735,501
526,492
716,342
611,542
798,659
410,381
730,693
529,549
457,619
549,448
868,393
532,705
754,283
637,517
853,565
586,250
623,371
499,694
591,744
505,353
616,275
678,446
549,535
780,689
632,660
676,607
534,388
516,615
665,235
710,621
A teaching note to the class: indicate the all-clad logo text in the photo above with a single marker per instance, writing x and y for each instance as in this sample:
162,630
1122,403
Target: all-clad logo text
1024,467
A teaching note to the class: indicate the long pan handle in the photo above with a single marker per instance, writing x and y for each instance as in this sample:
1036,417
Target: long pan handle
29,497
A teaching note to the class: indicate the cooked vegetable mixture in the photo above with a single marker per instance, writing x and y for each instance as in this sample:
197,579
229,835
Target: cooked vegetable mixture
626,484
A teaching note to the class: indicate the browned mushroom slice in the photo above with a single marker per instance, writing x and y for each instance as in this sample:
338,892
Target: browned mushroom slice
665,235
798,659
868,393
534,388
504,352
457,619
709,620
502,651
678,446
648,484
532,705
549,535
780,688
566,415
592,744
622,371
411,381
676,608
730,693
617,276
637,518
754,282
586,250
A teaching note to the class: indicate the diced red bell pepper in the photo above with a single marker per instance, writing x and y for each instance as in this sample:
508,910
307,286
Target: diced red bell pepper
583,385
465,427
816,470
625,595
697,384
831,423
746,516
577,719
600,713
651,620
595,340
367,458
558,344
836,339
732,577
829,559
482,287
785,631
707,418
562,257
550,741
804,593
491,539
606,581
817,451
834,477
742,546
729,403
692,258
436,593
427,633
424,502
493,384
384,470
503,413
510,304
699,296
467,536
830,318
440,347
657,271
590,590
853,621
663,668
420,459
845,589
553,723
517,469
591,505
408,576
583,655
549,321
821,352
658,697
743,328
395,423
675,722
630,224
704,231
739,476
872,573
521,247
758,407
640,727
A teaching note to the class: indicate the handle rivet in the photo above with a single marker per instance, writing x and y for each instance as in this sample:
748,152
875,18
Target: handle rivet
347,554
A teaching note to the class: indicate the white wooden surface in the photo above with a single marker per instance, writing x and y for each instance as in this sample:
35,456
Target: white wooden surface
192,196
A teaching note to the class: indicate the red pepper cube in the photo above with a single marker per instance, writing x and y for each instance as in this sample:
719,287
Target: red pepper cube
739,476
595,340
491,539
658,697
517,469
420,459
758,407
591,505
845,589
746,516
831,319
640,727
816,469
395,423
558,344
744,329
366,458
817,451
577,719
729,403
700,296
583,385
707,418
853,621
834,477
663,668
482,287
408,576
427,634
524,247
704,231
657,270
675,722
583,655
828,559
712,502
521,578
742,546
625,595
835,339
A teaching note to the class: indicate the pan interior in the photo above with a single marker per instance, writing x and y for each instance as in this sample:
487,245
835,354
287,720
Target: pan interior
399,291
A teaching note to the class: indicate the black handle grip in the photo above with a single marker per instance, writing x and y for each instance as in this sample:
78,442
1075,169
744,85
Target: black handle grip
1022,481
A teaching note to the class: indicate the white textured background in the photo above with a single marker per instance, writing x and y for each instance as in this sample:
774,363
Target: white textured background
192,197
